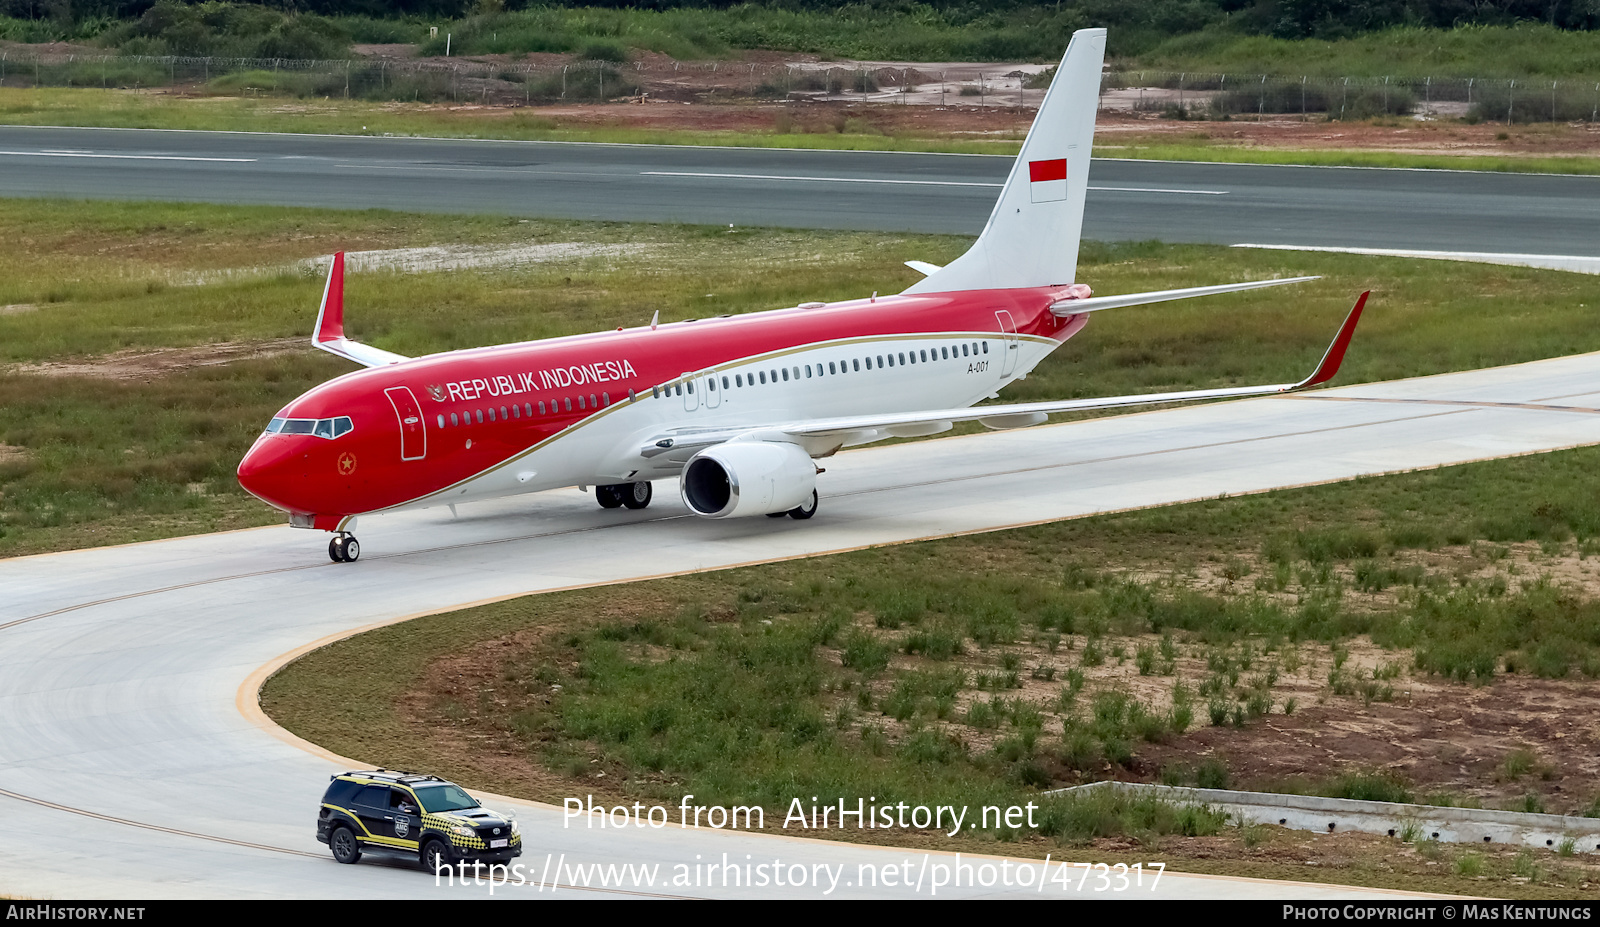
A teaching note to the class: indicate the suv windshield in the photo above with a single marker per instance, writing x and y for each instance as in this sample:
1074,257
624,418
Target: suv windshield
440,798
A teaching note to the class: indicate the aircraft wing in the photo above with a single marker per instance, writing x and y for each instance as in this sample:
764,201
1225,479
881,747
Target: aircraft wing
329,335
822,436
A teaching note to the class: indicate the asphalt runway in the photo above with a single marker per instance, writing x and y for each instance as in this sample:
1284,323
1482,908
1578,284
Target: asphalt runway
134,764
1171,201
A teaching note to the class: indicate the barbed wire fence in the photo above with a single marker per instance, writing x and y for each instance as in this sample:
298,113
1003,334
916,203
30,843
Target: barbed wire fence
1180,95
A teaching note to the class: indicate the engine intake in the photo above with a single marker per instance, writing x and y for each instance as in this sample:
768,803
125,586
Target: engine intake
754,478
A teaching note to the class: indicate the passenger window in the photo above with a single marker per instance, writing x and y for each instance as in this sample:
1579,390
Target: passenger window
491,413
857,365
797,373
480,415
880,361
902,360
605,398
738,379
654,393
785,374
678,389
592,403
580,403
924,356
373,796
986,347
763,377
541,407
724,382
944,353
831,370
503,415
441,419
568,403
963,350
401,801
808,371
453,420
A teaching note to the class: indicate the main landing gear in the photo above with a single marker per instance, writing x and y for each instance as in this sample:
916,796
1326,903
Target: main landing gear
800,512
616,495
344,549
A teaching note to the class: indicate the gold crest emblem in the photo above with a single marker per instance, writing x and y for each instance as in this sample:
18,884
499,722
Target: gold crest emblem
436,391
347,463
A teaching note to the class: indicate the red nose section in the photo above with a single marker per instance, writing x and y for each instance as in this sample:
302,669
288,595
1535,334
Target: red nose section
272,471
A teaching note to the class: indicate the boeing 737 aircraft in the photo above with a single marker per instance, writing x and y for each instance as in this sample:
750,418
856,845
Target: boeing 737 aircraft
736,409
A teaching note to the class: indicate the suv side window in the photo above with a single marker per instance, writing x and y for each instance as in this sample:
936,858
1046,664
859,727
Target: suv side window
340,791
402,801
373,796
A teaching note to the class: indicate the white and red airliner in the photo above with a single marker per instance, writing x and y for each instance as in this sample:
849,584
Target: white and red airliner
735,409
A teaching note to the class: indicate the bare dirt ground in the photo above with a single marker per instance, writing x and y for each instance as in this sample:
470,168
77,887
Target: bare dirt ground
143,365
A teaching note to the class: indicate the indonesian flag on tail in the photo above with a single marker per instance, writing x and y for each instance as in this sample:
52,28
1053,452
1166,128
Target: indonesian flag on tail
1047,180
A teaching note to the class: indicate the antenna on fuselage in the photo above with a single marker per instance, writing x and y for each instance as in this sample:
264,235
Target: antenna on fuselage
654,319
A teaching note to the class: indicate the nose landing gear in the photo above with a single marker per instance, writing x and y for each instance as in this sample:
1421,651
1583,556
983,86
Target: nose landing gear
344,549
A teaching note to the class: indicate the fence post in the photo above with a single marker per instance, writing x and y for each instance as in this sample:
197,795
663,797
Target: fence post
1302,98
1261,102
1511,101
563,82
1469,93
1181,76
1427,97
1553,101
942,88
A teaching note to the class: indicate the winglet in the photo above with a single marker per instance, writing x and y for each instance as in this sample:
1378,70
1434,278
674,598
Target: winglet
330,318
1330,361
329,333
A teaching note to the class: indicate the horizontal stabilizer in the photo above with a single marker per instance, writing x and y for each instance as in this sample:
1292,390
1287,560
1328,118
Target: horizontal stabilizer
1067,307
329,335
923,267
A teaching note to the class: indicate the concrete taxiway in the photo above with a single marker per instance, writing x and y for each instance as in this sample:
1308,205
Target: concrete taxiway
131,764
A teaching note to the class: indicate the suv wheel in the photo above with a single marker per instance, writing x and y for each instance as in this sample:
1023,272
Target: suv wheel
435,856
343,843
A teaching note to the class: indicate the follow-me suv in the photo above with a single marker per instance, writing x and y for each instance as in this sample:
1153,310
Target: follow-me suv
419,814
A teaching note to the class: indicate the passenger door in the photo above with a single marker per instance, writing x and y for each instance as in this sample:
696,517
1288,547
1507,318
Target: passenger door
413,429
1008,342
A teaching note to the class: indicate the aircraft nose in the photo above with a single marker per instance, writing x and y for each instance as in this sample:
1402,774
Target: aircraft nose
265,473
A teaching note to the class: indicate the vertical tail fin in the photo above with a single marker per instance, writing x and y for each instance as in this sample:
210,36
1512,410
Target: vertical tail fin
1032,235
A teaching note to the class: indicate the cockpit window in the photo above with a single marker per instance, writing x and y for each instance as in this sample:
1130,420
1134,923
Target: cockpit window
319,427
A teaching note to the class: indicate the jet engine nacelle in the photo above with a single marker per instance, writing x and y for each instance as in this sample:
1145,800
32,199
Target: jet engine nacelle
747,478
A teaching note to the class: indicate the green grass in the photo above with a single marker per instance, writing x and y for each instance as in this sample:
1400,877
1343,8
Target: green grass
1526,50
1223,152
740,687
291,111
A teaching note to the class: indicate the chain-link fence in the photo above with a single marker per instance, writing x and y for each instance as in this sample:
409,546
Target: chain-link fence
1178,95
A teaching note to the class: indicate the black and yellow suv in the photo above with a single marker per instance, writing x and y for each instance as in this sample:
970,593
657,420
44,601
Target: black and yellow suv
410,813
